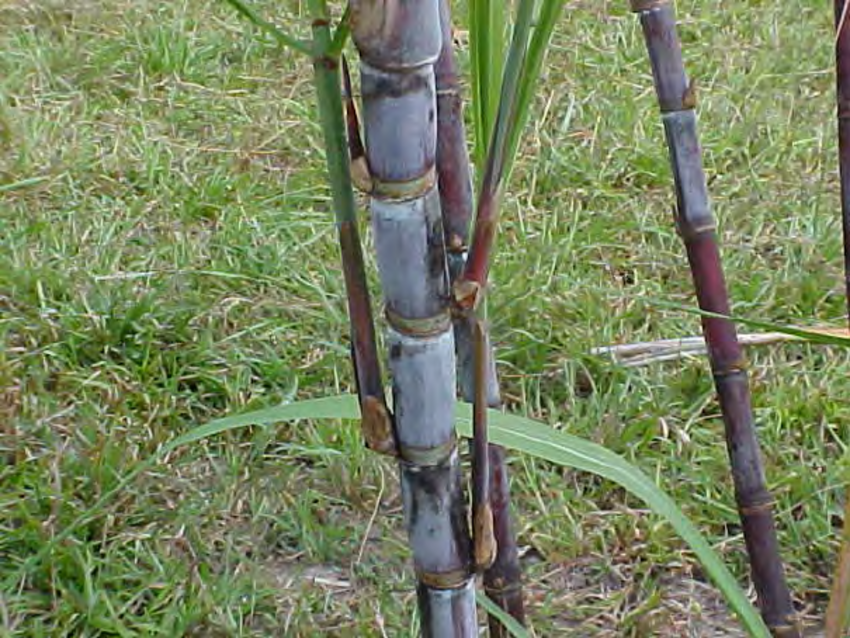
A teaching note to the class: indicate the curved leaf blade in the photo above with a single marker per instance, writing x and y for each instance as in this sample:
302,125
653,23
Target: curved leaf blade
514,432
534,438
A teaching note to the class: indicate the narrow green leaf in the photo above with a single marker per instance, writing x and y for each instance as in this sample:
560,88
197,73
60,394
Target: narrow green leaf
334,407
476,63
24,183
514,628
539,440
544,26
524,435
340,35
801,333
506,117
282,38
487,55
514,432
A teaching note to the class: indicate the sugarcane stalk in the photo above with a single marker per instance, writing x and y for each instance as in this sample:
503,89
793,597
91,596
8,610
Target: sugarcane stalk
484,544
357,153
376,420
837,611
503,578
696,225
842,82
453,168
399,42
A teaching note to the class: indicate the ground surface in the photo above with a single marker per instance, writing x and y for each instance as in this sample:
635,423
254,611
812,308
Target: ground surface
167,256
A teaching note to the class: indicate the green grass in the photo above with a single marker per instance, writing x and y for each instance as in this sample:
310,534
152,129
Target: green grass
167,255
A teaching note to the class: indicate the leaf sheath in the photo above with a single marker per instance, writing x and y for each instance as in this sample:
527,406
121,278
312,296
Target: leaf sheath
377,426
503,578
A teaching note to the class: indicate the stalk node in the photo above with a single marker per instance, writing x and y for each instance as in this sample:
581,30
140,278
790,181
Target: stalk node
639,6
483,537
500,586
731,369
406,190
757,508
454,579
466,293
419,327
377,426
360,175
455,243
689,231
424,457
689,97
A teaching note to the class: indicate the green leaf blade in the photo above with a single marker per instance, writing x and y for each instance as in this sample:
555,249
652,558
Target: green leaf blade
514,432
541,441
282,38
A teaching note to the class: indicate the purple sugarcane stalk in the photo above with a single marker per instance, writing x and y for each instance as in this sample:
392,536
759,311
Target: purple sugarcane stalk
842,81
696,225
503,578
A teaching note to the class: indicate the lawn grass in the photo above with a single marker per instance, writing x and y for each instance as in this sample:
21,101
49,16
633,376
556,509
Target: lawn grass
168,255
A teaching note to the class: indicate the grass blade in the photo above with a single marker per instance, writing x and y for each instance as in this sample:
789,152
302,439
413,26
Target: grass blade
24,183
514,628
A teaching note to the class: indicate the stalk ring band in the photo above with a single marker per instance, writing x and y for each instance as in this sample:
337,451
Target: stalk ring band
454,579
791,630
419,327
499,590
414,457
733,369
639,6
688,229
756,508
406,190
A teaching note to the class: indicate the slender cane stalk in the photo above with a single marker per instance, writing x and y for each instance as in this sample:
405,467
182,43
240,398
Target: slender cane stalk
838,611
839,599
503,579
484,544
453,169
529,41
842,77
324,50
376,421
697,228
399,41
359,168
